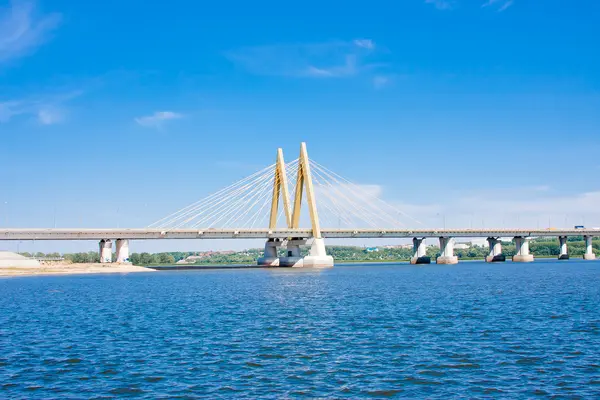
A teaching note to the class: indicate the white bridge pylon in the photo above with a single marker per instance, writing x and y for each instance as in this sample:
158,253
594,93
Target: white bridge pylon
246,203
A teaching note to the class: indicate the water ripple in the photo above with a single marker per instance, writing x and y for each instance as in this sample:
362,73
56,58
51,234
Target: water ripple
395,331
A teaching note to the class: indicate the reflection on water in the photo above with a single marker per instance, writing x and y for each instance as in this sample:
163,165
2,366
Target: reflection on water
472,330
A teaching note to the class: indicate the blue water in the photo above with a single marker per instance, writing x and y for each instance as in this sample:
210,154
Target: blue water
472,330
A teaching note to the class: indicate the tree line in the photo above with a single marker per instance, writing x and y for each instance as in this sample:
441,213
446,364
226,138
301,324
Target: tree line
542,247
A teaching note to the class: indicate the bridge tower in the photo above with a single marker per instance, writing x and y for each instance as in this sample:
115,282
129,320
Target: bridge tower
317,257
280,189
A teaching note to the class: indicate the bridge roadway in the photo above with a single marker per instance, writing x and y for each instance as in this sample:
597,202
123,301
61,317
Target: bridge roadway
148,234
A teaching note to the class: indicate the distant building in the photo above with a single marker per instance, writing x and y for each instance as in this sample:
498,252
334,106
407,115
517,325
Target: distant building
399,246
206,254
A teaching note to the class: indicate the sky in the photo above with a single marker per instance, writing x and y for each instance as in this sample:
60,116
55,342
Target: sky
461,112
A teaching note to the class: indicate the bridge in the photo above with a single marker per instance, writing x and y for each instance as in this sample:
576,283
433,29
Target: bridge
256,200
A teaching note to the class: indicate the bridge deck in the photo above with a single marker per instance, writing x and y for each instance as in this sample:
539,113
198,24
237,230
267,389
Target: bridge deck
147,234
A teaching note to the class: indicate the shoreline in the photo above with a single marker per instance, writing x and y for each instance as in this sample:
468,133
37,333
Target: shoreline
72,269
113,268
337,262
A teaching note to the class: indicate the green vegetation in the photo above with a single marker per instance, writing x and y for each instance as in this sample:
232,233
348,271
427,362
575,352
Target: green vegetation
152,259
543,247
89,257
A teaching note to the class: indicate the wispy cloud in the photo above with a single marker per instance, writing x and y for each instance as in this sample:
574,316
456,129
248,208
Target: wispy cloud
381,81
501,5
537,206
158,119
332,59
47,109
365,43
518,207
441,4
23,29
50,115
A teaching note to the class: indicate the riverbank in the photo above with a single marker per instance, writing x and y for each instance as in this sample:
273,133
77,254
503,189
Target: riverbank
225,265
70,269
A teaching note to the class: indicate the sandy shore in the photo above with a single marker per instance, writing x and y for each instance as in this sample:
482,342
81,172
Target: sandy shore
68,269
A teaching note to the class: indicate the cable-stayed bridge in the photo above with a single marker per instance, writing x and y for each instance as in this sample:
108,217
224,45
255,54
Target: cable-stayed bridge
279,204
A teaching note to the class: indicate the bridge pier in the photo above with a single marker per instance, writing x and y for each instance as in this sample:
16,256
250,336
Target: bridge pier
447,251
293,256
317,256
522,247
589,250
564,251
123,251
419,252
270,258
495,254
105,251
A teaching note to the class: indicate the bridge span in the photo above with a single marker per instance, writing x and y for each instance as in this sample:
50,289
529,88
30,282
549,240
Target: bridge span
299,237
283,234
255,200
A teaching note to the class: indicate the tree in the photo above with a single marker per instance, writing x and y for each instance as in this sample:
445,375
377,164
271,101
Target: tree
165,258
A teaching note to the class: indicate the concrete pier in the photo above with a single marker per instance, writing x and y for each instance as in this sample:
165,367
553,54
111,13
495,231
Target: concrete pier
123,251
495,254
564,250
293,256
589,250
522,247
270,258
420,252
105,251
447,251
317,256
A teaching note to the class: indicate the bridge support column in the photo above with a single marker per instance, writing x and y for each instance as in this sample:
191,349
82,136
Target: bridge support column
293,256
123,251
105,251
522,247
447,251
317,256
495,254
564,250
419,252
589,250
270,258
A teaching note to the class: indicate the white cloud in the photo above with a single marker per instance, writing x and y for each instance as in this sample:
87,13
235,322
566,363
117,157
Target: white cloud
500,4
381,81
157,119
332,59
348,68
524,201
365,43
441,4
50,116
22,29
519,207
47,109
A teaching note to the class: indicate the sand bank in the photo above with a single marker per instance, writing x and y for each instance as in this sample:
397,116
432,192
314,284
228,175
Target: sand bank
68,269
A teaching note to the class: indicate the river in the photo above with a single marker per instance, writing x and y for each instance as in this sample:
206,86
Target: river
362,331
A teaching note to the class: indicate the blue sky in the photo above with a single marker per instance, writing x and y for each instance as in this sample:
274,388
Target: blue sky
119,112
